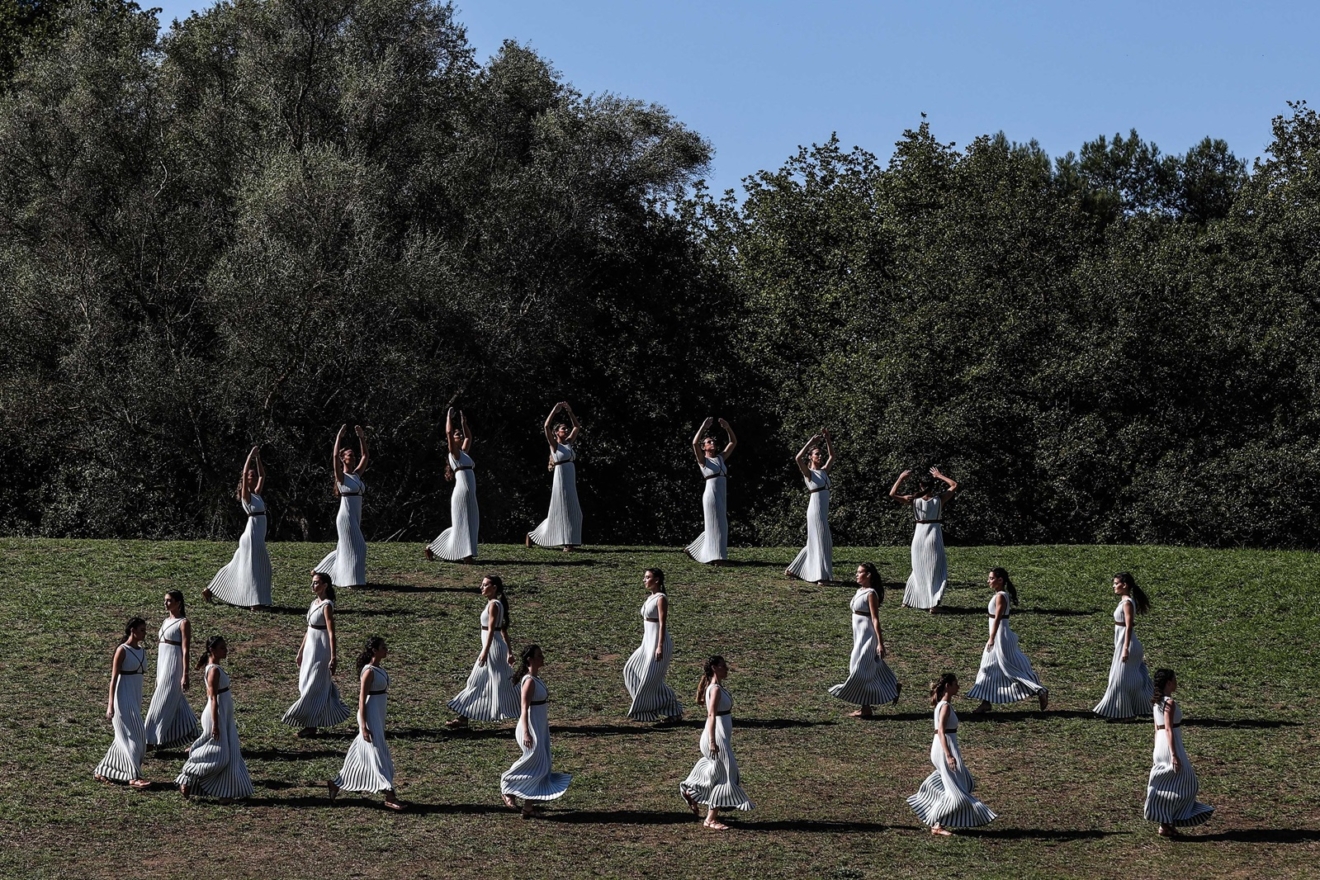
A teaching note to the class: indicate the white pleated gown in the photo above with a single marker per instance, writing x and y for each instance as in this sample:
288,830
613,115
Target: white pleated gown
1130,688
490,694
815,562
930,568
347,563
644,676
563,524
1170,796
1005,675
246,580
124,759
870,680
170,720
715,780
945,798
712,545
530,776
459,541
215,765
368,767
318,703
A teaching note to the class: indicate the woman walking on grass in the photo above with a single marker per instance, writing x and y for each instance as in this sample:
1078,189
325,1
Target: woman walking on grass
458,543
346,565
170,720
1006,675
1172,788
870,681
531,777
815,562
490,694
368,767
318,703
945,798
715,780
123,762
930,568
215,764
712,546
644,673
562,526
1130,689
246,580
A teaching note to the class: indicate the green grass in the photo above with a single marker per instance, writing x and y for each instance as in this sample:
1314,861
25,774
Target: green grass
1240,627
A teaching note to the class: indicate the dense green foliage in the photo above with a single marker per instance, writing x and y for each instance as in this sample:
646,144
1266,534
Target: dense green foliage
284,215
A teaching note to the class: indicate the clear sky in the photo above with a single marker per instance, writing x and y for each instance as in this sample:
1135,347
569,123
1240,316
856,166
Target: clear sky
758,78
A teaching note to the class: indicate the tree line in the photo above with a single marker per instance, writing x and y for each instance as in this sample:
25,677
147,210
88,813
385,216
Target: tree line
278,217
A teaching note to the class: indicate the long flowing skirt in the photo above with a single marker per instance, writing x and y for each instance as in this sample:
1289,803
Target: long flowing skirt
347,563
1130,688
318,703
945,797
215,765
562,526
1006,675
712,544
715,780
815,562
530,776
246,580
644,677
124,759
459,541
1170,796
930,568
870,681
368,767
490,694
170,720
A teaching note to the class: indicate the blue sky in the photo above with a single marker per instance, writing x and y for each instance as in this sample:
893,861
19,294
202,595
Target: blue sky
757,79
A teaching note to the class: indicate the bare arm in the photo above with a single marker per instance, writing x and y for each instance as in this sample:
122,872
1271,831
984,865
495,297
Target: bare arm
467,432
116,663
942,716
696,440
526,720
577,426
336,468
712,702
454,448
550,427
185,636
364,683
801,458
829,451
1168,732
873,604
662,611
733,439
492,609
893,490
1001,609
330,631
364,455
1127,629
261,470
243,492
213,699
952,484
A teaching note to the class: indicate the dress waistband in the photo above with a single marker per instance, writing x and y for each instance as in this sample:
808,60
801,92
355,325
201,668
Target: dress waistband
821,489
566,461
1006,616
223,690
171,642
137,671
252,513
538,702
1161,726
929,522
375,693
316,626
861,614
651,619
346,494
725,712
713,476
466,467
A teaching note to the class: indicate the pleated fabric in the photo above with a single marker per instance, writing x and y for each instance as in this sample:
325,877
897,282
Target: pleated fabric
715,780
246,580
124,759
318,703
930,568
1171,796
712,545
530,776
870,681
644,676
215,765
562,526
1130,688
459,541
347,563
368,767
490,694
170,720
815,562
945,797
1006,675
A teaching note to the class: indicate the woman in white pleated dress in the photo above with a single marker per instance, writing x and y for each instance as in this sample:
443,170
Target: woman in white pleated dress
246,580
715,779
644,673
945,798
490,694
712,546
1129,691
1006,675
123,762
870,680
930,568
531,777
170,720
318,703
215,765
347,563
562,526
458,543
368,767
1172,788
815,562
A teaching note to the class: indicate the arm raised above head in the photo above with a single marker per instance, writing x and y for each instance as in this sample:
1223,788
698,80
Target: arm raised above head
364,454
733,439
696,439
801,458
893,490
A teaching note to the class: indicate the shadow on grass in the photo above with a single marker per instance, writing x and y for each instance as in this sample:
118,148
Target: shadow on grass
951,611
557,563
807,825
619,817
305,801
290,754
439,734
1256,835
411,588
1041,833
435,809
371,612
1264,723
780,723
1025,714
1059,612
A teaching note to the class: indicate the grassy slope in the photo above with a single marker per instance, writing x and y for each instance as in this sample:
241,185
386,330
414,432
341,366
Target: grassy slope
1240,628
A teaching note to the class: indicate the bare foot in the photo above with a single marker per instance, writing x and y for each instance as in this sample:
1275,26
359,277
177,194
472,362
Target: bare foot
430,555
208,596
715,825
510,801
897,693
392,802
940,831
456,723
864,712
530,812
982,709
333,789
139,784
1044,700
1166,830
691,801
528,541
185,791
99,778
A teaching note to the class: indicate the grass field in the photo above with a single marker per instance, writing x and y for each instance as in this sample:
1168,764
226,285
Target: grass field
1240,627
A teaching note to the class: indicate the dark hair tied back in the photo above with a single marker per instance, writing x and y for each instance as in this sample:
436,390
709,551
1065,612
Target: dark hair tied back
177,596
940,687
210,646
374,644
1139,597
1002,574
876,584
133,623
707,676
524,662
1161,680
659,577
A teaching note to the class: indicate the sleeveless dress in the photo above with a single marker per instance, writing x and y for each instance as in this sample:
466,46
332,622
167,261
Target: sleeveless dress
124,759
530,776
368,767
870,681
459,541
713,543
347,563
490,694
715,780
562,526
930,569
215,765
1130,688
318,703
170,720
1170,796
644,677
1006,675
246,580
945,798
815,562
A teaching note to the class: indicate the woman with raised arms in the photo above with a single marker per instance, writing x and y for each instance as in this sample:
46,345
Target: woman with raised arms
458,543
930,568
815,562
562,526
246,580
712,545
347,563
